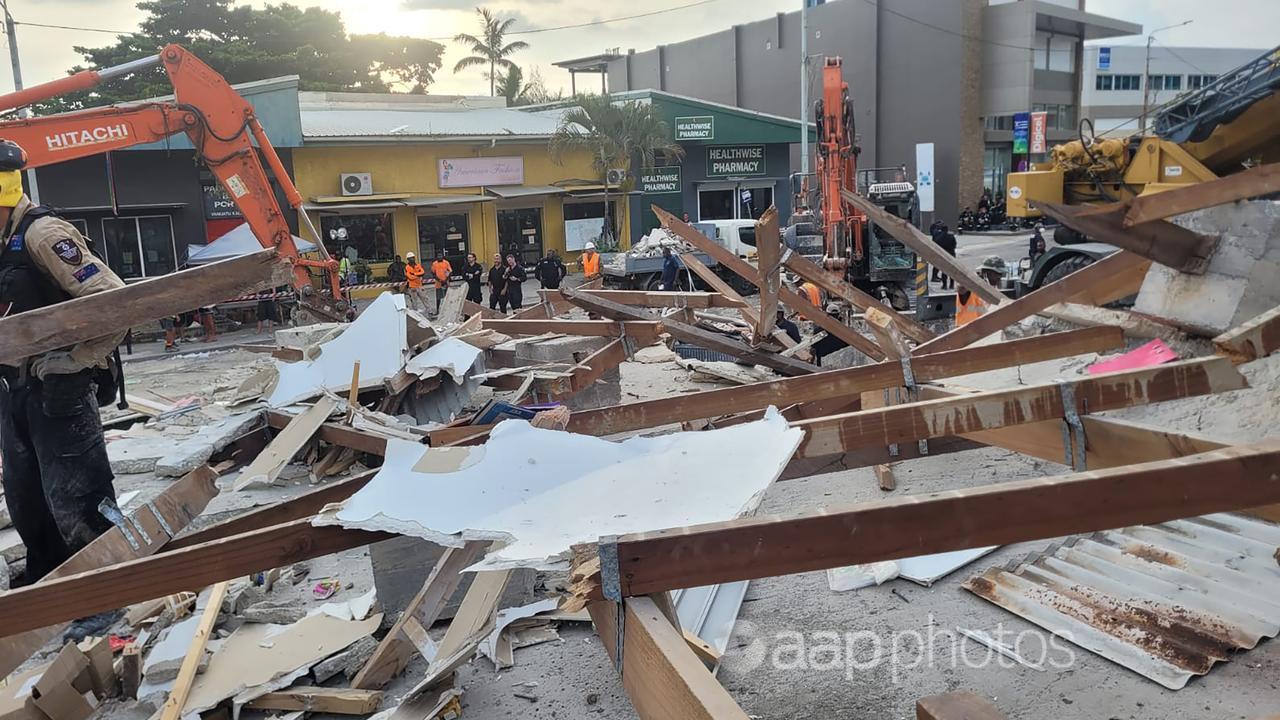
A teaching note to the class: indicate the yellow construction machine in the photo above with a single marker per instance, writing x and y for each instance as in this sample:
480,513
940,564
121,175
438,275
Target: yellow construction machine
1228,125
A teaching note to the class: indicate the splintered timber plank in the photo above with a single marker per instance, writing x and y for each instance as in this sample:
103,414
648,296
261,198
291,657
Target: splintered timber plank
848,382
659,299
335,434
267,466
1000,514
396,649
661,674
832,283
963,414
1255,339
923,245
177,700
1158,240
198,566
93,316
1260,180
596,303
962,705
768,253
339,701
1123,264
641,330
179,504
852,337
718,284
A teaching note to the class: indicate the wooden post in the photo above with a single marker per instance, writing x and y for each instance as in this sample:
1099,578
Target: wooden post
768,256
172,709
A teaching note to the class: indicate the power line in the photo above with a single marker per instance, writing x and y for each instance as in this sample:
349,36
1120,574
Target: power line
533,31
1174,53
948,31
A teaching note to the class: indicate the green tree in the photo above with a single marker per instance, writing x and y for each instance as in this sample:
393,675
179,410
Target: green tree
511,86
618,135
244,43
490,47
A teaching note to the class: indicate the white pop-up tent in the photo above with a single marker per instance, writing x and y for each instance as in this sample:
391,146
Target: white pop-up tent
240,241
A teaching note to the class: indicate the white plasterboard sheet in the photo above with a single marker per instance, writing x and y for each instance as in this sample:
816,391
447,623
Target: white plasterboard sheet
450,355
376,339
542,491
357,608
509,615
928,569
711,611
256,654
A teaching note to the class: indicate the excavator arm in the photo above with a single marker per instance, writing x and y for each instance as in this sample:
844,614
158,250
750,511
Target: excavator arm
221,125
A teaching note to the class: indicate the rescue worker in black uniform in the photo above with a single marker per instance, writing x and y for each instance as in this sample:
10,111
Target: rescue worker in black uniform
55,467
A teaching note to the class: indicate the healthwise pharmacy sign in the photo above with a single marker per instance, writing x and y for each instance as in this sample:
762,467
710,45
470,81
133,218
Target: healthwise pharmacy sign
660,180
735,160
696,127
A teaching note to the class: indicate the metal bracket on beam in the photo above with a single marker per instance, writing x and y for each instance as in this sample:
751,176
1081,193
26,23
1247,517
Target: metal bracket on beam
164,524
628,344
1073,440
611,586
110,511
913,394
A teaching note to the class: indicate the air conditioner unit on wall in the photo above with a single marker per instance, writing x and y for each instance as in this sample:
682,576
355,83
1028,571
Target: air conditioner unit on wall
356,183
616,176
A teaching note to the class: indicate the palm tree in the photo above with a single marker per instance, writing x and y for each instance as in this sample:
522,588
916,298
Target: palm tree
616,134
489,48
511,86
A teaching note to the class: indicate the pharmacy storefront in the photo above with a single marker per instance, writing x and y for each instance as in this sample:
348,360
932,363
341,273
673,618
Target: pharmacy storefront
736,164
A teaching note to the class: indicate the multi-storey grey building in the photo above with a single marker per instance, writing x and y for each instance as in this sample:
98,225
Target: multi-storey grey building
950,72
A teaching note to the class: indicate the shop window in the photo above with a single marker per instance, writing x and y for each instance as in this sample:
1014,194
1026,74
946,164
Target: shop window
359,237
1128,82
579,228
752,202
715,204
444,233
1164,82
520,234
138,247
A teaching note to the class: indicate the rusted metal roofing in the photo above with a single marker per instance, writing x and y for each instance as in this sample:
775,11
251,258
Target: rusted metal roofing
1166,601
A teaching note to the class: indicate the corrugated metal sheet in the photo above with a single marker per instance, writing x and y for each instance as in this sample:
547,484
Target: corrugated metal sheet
711,611
373,123
1166,601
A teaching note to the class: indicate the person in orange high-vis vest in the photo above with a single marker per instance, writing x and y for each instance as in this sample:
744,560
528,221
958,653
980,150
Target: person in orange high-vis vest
413,273
590,261
969,306
440,271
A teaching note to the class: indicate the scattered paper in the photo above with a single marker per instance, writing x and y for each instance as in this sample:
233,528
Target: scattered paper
1155,352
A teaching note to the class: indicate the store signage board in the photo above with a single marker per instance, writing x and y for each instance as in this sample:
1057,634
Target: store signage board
735,160
696,127
660,180
480,171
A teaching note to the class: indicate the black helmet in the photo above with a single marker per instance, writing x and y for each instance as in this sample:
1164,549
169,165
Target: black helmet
12,157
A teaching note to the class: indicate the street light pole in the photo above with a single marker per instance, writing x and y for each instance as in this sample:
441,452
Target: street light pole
804,89
1146,74
11,32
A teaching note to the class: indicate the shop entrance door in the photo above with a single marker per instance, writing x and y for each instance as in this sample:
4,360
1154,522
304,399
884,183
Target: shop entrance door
447,233
520,234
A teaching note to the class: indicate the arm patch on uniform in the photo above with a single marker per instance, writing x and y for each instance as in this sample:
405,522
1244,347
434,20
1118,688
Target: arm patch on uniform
85,272
69,252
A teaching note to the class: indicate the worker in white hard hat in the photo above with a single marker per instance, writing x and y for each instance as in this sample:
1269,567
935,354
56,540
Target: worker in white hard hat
590,262
413,274
969,306
57,478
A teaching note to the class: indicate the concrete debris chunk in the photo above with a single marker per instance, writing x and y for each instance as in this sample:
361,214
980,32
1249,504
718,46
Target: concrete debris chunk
278,612
347,662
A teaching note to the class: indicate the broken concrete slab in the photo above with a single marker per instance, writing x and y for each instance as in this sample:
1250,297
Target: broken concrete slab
301,338
348,662
568,488
655,354
1240,280
174,452
278,612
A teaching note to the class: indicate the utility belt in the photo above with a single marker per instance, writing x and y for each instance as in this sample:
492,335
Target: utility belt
14,378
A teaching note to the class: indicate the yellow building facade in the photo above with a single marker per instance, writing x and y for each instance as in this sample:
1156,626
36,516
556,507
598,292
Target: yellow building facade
373,200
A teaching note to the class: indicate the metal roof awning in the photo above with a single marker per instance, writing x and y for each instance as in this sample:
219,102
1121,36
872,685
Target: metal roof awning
376,197
429,201
108,208
519,191
334,207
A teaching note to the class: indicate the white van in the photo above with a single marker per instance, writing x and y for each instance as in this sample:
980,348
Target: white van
736,236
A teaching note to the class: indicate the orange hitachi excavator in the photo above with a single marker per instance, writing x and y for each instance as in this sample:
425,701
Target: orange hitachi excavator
221,125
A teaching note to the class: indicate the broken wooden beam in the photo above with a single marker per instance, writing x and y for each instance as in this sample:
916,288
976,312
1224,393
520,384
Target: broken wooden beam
471,308
969,413
657,298
1122,264
592,368
924,246
177,700
846,381
1159,240
832,326
645,332
298,432
960,705
1253,340
94,316
661,674
193,567
170,512
834,285
1260,180
336,434
768,257
1000,514
338,701
598,303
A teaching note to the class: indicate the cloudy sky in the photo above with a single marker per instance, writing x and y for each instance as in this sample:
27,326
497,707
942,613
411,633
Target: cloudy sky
47,52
